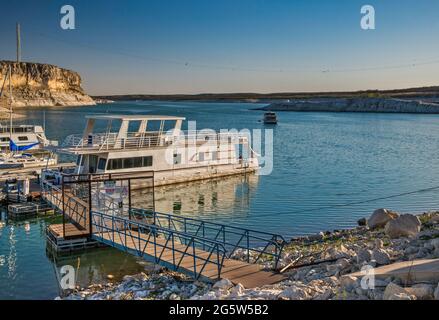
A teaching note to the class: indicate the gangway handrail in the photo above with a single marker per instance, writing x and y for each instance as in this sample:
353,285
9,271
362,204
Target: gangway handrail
215,246
153,226
244,235
64,200
173,216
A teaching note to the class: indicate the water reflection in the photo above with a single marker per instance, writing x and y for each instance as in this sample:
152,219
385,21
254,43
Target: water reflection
206,199
2,221
93,266
12,257
27,227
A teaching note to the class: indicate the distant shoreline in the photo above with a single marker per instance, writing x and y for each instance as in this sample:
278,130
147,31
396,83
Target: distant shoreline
359,105
422,92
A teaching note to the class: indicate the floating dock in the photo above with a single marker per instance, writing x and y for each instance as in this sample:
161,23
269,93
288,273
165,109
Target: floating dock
66,238
30,172
27,210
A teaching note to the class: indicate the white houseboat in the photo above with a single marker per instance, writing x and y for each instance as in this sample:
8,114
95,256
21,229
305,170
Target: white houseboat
157,143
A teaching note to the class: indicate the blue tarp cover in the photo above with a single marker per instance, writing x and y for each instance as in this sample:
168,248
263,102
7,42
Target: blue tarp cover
14,147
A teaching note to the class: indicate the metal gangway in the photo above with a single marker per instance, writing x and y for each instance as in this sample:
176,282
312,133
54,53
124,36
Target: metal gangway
201,249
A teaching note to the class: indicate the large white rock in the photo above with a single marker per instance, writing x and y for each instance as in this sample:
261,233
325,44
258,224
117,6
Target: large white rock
392,291
349,283
380,217
406,225
224,284
293,293
381,256
421,291
238,290
364,255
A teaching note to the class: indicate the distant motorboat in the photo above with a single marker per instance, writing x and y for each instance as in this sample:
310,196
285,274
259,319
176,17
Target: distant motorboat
270,118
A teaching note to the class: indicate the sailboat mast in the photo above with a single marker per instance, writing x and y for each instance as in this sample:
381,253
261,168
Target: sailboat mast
18,43
10,104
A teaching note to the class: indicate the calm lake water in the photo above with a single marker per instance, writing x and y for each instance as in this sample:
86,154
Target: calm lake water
329,170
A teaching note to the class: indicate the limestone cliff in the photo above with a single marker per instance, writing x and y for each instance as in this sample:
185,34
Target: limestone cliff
36,84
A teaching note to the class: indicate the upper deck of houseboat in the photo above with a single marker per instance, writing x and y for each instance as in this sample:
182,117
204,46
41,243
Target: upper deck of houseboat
133,134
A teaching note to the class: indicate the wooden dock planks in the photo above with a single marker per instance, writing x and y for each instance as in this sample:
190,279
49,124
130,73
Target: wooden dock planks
72,231
75,208
249,275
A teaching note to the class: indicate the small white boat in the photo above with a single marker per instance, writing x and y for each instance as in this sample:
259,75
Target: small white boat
28,137
22,146
270,118
26,160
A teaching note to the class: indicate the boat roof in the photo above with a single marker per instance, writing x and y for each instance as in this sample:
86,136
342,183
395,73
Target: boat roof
134,117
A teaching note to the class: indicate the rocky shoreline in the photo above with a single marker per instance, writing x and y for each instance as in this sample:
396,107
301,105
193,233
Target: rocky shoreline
366,105
318,267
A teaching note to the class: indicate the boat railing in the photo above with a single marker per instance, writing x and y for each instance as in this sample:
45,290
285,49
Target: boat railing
109,141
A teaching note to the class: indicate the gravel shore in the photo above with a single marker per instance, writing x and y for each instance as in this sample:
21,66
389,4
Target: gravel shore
317,268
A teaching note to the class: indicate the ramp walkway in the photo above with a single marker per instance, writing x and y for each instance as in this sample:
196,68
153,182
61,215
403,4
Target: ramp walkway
201,249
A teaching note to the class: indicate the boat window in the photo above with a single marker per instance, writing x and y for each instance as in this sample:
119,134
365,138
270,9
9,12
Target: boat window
138,162
147,161
177,158
23,138
115,164
201,156
102,163
214,155
128,163
5,139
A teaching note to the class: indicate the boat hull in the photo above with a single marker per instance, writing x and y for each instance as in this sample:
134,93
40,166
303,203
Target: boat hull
164,178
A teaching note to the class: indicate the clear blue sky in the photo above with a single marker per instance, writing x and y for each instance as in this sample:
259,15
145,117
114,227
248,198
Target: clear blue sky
194,46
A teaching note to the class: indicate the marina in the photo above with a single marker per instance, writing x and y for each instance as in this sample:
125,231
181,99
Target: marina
224,151
251,201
